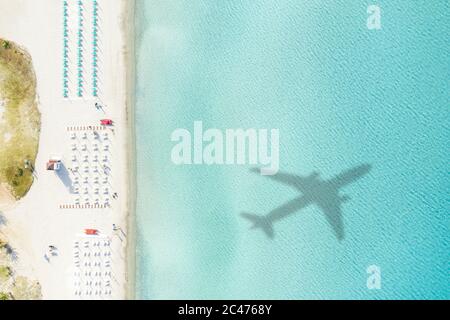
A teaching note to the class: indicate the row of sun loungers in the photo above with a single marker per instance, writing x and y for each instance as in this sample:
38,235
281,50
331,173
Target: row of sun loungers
85,136
86,128
95,49
80,49
65,49
90,170
84,206
77,34
93,273
95,147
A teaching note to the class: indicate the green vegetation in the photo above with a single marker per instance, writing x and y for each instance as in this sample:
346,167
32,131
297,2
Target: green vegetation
4,296
13,286
5,273
25,289
19,138
6,44
19,119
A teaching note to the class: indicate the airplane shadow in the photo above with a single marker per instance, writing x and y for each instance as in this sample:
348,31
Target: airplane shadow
324,194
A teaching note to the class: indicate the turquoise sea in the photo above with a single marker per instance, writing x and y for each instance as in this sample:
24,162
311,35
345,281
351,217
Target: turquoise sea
341,96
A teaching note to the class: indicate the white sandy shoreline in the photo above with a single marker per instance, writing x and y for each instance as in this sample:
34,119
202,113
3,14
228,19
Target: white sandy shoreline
37,221
129,29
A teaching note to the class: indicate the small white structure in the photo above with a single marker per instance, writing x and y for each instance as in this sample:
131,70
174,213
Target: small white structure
54,164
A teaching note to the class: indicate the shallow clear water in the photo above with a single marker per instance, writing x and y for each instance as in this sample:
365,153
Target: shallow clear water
341,95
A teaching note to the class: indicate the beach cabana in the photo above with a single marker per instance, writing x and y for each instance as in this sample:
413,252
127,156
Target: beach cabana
54,164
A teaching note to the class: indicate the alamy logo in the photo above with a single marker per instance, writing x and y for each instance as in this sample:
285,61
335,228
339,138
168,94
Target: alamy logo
234,146
374,19
374,277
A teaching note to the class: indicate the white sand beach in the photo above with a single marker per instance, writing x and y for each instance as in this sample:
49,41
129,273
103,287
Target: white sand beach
60,206
6,200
